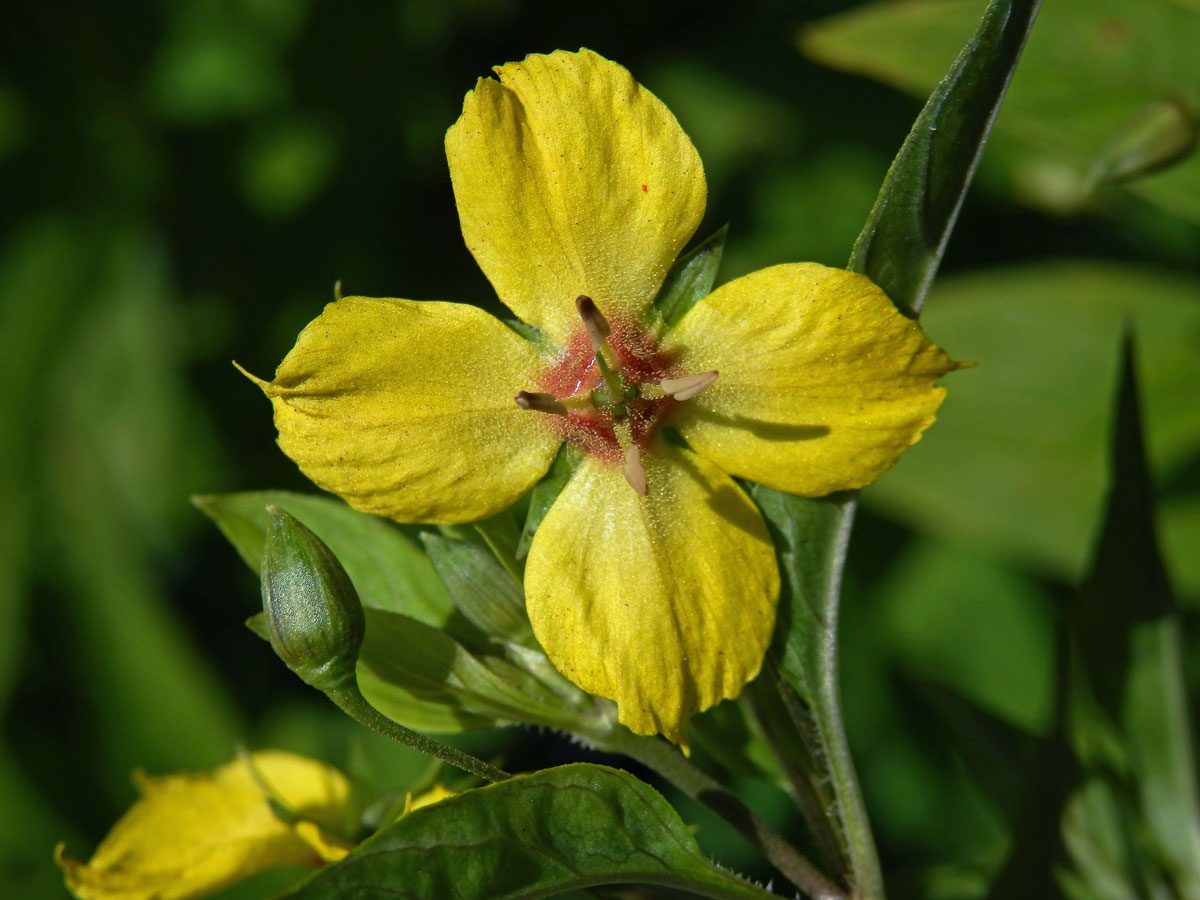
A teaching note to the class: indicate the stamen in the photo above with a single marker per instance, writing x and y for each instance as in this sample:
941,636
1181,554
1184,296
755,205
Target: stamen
689,385
543,403
593,321
635,472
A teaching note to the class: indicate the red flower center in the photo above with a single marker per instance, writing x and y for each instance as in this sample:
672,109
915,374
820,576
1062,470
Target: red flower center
595,410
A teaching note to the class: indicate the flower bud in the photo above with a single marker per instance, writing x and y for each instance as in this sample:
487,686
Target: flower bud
313,616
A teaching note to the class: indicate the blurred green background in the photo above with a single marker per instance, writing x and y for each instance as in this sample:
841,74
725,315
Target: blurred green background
182,184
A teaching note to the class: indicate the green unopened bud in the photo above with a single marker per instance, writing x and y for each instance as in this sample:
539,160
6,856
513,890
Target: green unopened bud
313,617
1160,133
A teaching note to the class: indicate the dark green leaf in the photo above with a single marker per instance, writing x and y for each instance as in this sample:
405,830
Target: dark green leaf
388,569
994,751
531,836
905,236
691,278
804,720
545,492
900,248
1128,634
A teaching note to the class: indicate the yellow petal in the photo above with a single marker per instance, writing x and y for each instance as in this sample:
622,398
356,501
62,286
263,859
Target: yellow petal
571,178
822,382
192,834
406,409
663,603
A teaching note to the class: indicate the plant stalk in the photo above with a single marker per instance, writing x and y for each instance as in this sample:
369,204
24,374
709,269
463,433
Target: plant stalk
672,765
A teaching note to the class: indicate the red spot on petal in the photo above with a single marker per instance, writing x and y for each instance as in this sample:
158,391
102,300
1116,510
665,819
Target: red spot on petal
646,189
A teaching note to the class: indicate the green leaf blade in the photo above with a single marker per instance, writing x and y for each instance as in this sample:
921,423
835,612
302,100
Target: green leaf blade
900,248
691,278
1128,633
531,836
389,570
907,230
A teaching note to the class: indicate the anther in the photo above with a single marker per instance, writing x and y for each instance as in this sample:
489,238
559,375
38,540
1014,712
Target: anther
593,321
689,385
634,471
544,403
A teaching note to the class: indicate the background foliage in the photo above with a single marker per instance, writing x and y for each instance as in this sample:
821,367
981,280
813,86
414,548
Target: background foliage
183,183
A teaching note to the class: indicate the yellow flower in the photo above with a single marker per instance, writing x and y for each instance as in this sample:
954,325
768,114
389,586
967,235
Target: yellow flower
652,579
192,834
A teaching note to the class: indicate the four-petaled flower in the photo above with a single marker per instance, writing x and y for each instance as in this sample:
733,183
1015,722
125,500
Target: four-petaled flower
652,579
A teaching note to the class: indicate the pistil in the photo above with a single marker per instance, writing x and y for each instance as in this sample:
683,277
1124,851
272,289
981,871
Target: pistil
609,392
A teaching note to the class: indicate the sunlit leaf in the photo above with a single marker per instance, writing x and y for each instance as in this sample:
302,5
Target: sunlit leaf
1093,67
532,836
388,568
1015,466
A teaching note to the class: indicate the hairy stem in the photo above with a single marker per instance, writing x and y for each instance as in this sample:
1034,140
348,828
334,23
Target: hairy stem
672,765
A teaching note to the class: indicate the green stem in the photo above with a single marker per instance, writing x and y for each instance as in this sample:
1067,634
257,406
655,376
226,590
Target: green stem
827,710
351,701
668,762
791,746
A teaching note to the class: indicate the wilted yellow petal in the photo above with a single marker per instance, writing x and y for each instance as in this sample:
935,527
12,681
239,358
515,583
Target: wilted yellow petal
406,409
572,179
663,603
192,834
822,382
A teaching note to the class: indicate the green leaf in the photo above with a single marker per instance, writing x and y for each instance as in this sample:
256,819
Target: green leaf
118,444
531,836
430,665
1032,493
1128,634
545,492
691,278
502,536
1123,805
994,751
1092,68
905,236
483,590
388,569
900,248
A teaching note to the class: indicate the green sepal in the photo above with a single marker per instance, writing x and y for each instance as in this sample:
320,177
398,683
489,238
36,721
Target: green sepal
312,613
387,566
691,278
533,335
532,836
545,492
484,591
